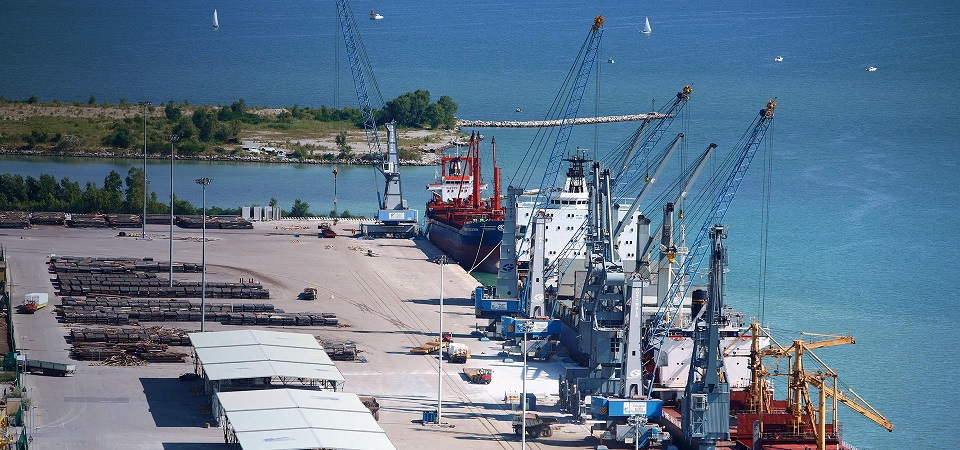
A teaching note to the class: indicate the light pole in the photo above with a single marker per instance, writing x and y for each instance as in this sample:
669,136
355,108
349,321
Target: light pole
173,138
441,260
523,396
335,172
143,219
203,182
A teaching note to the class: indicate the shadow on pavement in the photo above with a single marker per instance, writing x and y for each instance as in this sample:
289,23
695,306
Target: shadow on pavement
173,403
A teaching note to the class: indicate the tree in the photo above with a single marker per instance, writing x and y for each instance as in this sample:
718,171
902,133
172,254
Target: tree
112,198
299,209
435,116
205,121
449,106
239,108
450,110
91,100
408,109
133,201
172,112
121,137
185,128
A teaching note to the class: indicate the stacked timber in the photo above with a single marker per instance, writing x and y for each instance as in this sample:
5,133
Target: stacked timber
197,222
14,219
158,335
158,219
47,218
116,265
124,220
122,311
281,319
87,221
339,350
146,351
149,285
234,223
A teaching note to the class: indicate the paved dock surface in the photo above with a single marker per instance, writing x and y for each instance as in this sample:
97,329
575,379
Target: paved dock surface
385,291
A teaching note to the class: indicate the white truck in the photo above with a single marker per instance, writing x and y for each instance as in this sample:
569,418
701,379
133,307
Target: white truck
457,353
33,302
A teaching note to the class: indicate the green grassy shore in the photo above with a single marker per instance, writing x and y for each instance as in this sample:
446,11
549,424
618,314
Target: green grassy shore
306,135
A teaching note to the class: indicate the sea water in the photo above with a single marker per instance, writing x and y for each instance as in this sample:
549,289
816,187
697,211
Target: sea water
863,230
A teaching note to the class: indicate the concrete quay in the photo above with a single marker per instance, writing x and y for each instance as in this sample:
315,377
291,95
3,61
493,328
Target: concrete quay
385,291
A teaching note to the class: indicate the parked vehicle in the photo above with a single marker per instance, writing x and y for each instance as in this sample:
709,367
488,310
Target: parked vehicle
536,425
479,376
33,302
458,353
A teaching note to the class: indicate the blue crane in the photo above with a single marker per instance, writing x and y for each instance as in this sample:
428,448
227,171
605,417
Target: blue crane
669,310
398,220
554,164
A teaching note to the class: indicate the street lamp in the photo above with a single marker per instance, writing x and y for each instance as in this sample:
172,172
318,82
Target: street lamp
143,219
441,260
203,182
524,325
173,138
335,172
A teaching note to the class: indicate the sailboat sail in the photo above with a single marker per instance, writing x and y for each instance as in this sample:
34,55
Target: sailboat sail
646,26
216,23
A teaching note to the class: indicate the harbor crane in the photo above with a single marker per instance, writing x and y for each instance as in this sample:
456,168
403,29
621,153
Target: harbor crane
805,414
575,98
395,217
669,309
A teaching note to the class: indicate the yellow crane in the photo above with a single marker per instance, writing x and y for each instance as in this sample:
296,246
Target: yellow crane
804,411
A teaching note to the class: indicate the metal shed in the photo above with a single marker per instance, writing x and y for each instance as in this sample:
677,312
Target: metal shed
280,419
241,360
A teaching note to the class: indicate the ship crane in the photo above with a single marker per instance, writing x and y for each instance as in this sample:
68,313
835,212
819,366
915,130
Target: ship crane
806,415
552,170
669,309
396,218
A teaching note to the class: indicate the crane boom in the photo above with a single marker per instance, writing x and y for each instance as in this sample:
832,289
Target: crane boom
784,352
670,307
865,409
592,46
396,219
357,55
632,163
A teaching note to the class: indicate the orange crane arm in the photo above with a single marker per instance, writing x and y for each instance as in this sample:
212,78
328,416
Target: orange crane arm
865,409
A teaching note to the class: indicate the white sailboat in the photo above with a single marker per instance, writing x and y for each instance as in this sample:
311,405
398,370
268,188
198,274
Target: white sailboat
216,23
646,26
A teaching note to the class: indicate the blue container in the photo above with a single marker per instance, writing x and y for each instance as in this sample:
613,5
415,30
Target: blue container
429,416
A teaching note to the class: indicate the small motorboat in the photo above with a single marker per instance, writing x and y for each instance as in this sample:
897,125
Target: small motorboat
871,69
778,59
375,16
519,109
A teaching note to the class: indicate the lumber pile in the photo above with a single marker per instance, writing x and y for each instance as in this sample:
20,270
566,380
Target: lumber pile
14,219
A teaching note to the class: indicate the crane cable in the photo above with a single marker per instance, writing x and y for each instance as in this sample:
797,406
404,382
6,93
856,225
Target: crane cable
765,222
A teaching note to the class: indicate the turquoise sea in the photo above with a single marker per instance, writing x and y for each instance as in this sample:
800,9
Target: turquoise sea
864,230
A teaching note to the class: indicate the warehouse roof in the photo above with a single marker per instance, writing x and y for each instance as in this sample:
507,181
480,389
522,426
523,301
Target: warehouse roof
234,338
238,354
279,419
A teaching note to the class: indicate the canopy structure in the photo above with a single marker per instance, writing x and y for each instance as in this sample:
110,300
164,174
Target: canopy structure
279,419
258,359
